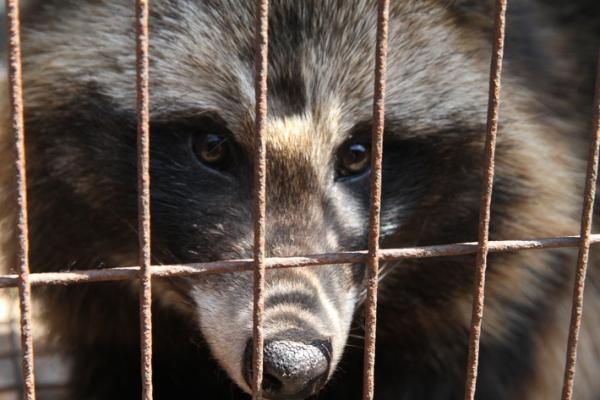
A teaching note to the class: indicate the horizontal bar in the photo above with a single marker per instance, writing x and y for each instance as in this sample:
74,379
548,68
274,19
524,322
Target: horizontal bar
12,389
346,257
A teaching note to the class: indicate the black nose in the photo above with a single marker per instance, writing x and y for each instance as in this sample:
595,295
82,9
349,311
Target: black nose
291,369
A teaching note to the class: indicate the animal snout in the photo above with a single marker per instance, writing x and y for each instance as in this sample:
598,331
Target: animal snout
292,369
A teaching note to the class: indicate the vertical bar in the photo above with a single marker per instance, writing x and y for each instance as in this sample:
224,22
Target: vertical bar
16,115
143,144
486,198
260,194
584,249
383,11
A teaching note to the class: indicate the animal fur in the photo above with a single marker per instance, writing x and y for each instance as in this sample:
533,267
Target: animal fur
79,71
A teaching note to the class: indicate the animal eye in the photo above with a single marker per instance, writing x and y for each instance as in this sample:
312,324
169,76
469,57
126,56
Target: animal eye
354,159
212,150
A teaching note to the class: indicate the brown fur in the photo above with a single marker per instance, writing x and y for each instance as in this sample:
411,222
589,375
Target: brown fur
436,102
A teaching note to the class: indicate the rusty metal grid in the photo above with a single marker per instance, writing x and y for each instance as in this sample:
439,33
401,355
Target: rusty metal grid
486,198
260,193
16,114
260,263
375,200
584,248
143,145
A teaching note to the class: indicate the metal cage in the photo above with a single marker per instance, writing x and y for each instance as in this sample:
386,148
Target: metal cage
371,257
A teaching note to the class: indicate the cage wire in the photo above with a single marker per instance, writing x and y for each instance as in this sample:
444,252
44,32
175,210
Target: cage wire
16,355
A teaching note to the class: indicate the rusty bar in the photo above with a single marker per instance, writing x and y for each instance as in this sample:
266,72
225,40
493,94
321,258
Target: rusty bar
348,257
260,192
584,249
16,115
143,149
383,10
486,198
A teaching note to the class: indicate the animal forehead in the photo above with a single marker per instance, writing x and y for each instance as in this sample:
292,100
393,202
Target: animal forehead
304,136
325,54
202,57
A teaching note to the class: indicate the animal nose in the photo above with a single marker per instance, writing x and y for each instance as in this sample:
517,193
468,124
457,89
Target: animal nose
291,369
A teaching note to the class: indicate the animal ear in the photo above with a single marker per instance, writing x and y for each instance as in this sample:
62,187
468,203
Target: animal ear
482,7
479,12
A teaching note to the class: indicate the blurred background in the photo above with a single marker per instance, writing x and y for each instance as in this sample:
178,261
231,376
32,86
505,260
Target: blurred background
50,370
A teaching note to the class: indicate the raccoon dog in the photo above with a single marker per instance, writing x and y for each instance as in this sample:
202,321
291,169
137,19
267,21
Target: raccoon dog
79,79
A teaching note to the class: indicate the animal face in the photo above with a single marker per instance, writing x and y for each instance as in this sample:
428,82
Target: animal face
79,69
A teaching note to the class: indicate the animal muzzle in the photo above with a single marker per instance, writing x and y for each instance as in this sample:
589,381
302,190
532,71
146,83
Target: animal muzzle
307,317
296,365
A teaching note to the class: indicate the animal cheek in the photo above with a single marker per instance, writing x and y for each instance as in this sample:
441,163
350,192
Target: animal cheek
224,313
